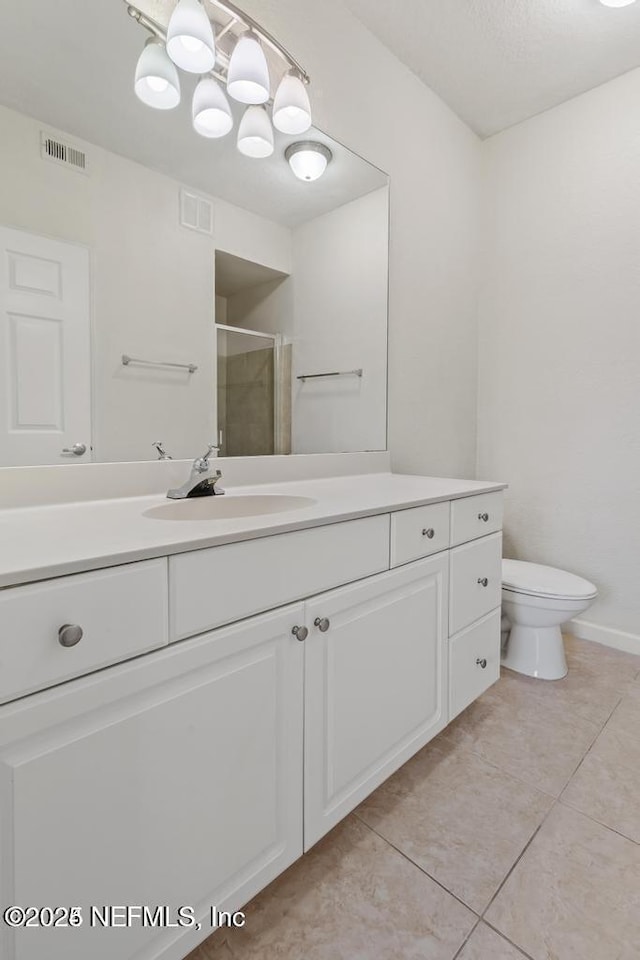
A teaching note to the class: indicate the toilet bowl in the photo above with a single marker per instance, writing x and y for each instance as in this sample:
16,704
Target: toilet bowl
536,600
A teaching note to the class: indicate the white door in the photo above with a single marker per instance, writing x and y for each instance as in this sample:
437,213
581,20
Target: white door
171,780
45,359
375,685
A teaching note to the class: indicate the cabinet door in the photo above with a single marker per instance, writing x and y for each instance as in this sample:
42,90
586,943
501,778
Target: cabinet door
172,780
375,685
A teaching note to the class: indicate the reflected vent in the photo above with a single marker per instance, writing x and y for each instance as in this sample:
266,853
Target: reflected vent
196,212
58,151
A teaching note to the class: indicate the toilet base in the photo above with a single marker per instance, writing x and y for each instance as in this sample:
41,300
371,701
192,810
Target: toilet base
536,652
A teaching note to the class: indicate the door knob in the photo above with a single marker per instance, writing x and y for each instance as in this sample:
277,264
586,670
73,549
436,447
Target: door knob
300,633
69,635
322,623
483,581
78,449
481,662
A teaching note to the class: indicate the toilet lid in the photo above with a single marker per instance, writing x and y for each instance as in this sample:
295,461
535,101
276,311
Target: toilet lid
537,580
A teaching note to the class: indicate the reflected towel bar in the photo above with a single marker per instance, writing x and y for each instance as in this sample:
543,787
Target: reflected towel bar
334,373
126,360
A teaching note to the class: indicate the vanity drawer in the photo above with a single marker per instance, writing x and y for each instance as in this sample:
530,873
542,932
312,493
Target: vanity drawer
419,532
122,612
208,588
474,662
473,517
476,581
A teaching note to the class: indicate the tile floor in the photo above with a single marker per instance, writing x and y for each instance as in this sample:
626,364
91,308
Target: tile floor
514,834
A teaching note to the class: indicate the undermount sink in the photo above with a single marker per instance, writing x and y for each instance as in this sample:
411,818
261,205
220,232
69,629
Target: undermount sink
226,507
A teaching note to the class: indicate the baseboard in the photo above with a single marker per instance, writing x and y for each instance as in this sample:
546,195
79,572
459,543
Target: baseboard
618,639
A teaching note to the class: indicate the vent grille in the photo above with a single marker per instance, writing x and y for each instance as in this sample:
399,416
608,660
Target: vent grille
196,212
57,151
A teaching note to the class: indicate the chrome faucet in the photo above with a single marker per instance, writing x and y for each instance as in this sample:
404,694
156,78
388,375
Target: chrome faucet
202,480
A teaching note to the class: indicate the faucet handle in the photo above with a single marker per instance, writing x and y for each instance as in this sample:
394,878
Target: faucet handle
210,450
162,453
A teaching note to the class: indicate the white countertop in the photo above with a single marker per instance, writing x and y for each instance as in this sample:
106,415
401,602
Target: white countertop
37,543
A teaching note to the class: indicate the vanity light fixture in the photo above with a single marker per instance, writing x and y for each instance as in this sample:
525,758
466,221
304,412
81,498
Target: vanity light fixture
157,82
211,111
248,74
190,42
233,57
255,133
308,159
291,107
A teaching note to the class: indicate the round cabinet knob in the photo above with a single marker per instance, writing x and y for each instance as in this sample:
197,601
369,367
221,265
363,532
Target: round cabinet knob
69,635
483,581
484,517
481,663
300,633
78,449
429,533
322,623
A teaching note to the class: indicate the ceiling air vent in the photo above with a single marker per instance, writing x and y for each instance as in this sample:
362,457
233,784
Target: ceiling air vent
58,151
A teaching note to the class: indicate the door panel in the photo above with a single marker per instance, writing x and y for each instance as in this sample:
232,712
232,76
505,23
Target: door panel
181,786
375,687
45,358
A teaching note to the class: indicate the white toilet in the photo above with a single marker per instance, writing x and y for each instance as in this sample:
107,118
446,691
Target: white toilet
537,600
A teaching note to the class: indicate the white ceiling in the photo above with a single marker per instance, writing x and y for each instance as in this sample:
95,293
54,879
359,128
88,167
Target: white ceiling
70,64
497,62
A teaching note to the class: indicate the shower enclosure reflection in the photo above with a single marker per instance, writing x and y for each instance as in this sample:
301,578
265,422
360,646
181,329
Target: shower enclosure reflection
254,384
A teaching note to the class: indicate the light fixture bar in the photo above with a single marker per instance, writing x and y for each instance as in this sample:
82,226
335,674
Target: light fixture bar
264,35
238,16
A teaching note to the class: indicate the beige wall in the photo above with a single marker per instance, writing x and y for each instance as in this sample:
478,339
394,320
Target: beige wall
559,394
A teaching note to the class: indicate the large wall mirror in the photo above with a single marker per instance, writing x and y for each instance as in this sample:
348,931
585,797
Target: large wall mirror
159,286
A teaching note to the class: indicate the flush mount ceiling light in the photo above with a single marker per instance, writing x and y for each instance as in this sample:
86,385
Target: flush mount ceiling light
157,83
255,133
308,159
227,51
291,107
248,75
190,42
616,3
211,111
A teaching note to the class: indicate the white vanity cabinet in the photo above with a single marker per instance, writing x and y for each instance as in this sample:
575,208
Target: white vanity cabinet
166,781
197,772
375,685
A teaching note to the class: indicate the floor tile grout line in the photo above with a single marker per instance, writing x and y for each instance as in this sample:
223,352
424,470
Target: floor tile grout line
504,937
570,806
496,766
458,952
520,856
418,867
589,749
583,758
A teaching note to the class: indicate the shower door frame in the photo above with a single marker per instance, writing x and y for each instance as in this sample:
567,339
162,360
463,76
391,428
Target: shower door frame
277,384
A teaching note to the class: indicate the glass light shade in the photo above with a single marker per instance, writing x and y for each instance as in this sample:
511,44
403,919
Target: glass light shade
616,3
248,74
255,133
308,159
291,107
211,111
190,42
157,83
